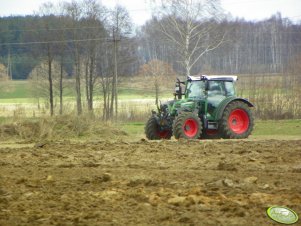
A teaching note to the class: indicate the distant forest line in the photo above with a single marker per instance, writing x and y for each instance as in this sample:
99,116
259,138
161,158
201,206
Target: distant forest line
269,46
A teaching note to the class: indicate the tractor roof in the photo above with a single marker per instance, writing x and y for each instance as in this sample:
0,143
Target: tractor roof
231,78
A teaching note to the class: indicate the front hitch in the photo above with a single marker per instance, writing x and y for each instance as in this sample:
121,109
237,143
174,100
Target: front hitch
162,117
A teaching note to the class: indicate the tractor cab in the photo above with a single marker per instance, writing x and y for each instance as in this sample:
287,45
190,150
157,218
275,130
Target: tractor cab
207,86
201,87
209,90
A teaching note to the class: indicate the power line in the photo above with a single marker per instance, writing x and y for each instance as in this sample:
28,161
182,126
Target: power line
109,40
58,41
85,28
51,29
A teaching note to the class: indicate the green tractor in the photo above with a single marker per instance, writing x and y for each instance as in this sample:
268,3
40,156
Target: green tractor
207,108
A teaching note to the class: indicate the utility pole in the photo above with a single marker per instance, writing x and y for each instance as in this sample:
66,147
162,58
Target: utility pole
116,40
9,67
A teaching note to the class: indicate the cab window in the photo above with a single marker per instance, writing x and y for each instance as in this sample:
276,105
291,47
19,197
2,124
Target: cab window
216,88
230,90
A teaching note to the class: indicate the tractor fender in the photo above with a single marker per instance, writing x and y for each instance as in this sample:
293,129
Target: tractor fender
226,102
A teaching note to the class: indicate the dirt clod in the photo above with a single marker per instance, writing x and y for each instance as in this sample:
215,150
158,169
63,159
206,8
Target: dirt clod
251,180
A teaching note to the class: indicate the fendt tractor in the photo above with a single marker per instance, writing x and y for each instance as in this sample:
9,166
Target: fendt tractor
206,108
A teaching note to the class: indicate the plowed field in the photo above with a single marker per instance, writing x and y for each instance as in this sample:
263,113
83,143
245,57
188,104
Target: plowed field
213,182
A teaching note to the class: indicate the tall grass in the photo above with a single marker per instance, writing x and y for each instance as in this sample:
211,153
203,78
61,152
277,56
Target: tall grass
274,96
58,128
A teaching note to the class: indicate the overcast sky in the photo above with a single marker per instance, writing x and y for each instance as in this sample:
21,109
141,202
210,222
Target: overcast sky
140,9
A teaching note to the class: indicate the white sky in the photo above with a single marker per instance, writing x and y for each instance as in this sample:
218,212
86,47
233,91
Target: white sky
140,9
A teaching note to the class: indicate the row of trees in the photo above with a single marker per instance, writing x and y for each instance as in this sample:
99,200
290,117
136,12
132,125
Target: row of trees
240,47
184,37
80,39
91,44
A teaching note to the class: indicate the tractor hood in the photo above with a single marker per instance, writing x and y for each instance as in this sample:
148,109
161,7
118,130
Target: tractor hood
188,105
175,106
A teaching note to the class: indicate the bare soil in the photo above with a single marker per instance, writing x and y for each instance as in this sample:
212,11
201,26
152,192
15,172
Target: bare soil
149,183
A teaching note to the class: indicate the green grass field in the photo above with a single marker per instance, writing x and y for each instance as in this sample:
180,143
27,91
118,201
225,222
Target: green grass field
278,129
20,92
14,90
281,129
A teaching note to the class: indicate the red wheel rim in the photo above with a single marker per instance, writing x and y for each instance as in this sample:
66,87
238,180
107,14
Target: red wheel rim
239,121
190,127
163,134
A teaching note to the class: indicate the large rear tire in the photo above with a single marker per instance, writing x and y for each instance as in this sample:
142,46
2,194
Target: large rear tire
187,125
153,132
237,121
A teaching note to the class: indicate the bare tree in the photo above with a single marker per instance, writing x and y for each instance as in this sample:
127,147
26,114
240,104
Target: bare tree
94,15
189,26
74,11
104,68
120,26
47,11
61,52
157,71
39,80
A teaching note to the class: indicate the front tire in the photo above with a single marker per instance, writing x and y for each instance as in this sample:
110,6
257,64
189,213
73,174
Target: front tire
237,121
187,125
153,132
